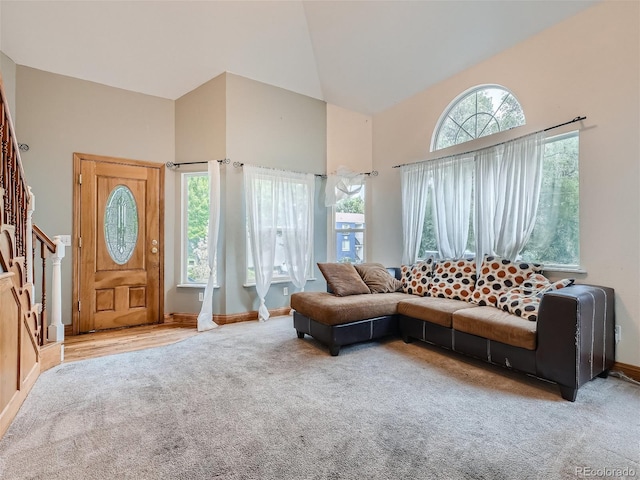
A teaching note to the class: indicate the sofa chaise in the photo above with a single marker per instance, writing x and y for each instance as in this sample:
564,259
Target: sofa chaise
570,342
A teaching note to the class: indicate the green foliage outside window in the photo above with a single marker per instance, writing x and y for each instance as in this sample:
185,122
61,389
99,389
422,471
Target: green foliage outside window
555,238
350,205
197,228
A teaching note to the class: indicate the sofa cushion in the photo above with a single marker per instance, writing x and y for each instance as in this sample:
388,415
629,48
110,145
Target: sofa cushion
524,300
497,275
331,310
454,279
432,309
416,278
343,279
378,278
495,324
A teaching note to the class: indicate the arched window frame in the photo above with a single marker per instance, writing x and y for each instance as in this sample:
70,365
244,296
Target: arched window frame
459,99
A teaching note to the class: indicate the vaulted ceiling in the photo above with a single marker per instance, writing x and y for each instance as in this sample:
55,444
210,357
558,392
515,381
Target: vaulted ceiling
361,55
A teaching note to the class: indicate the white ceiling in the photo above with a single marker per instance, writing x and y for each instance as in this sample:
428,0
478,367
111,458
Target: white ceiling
361,55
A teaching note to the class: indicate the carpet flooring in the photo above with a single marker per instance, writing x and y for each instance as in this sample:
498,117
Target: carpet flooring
252,401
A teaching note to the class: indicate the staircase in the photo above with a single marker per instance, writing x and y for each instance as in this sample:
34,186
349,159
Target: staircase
27,346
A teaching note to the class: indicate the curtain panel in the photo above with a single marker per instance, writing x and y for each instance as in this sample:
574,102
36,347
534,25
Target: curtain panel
508,181
500,184
452,186
344,184
296,210
414,181
279,200
205,317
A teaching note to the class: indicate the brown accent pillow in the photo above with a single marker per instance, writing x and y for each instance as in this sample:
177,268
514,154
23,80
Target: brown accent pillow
343,279
377,278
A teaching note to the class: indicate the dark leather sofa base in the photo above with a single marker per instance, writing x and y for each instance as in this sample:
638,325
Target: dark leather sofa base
336,336
574,344
490,351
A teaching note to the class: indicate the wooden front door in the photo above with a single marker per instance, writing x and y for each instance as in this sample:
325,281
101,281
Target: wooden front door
118,234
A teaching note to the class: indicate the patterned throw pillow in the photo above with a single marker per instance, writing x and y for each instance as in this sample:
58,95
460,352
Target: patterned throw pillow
497,275
454,279
524,300
417,277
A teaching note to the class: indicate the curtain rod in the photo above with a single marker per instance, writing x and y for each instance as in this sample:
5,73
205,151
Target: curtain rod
373,173
177,165
576,119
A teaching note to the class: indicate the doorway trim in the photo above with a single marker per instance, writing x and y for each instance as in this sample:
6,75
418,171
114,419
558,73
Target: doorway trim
75,242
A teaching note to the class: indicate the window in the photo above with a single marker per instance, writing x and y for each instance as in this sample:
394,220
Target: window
555,238
195,217
280,270
284,203
346,243
477,113
349,225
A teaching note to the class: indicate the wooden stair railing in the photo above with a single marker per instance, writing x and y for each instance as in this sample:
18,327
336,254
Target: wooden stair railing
23,323
12,182
47,247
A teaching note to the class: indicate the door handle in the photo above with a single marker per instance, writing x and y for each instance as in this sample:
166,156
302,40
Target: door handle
154,250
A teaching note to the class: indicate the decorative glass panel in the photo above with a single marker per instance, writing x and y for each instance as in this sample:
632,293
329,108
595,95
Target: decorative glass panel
121,224
479,112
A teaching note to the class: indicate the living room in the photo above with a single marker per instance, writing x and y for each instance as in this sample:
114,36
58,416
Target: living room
587,64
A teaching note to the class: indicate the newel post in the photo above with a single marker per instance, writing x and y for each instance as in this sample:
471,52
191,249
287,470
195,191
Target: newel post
56,329
31,206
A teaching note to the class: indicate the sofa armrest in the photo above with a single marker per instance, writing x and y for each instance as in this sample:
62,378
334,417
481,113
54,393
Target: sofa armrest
575,335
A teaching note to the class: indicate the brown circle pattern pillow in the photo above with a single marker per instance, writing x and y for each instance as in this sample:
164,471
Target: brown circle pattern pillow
524,300
497,275
416,278
454,279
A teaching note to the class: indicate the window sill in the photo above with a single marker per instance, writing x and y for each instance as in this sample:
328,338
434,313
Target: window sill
195,285
280,280
562,269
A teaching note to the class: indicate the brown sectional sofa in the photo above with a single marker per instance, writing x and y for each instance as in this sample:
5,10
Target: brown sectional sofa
571,342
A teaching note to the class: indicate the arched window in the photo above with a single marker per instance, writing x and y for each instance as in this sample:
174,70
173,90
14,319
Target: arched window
476,113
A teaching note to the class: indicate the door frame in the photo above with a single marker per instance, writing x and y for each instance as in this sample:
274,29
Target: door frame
75,242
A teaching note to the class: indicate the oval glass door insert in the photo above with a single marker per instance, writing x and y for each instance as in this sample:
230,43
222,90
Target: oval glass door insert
121,224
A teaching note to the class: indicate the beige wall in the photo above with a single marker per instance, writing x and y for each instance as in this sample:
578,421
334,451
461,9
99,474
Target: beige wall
60,115
200,136
349,140
349,144
254,123
269,127
587,65
8,71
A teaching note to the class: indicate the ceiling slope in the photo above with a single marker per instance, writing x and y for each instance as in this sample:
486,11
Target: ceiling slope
362,55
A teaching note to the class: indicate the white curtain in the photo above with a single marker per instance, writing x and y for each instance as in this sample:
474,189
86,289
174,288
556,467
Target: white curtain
205,318
485,201
262,214
296,196
508,185
343,184
279,200
414,182
452,186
